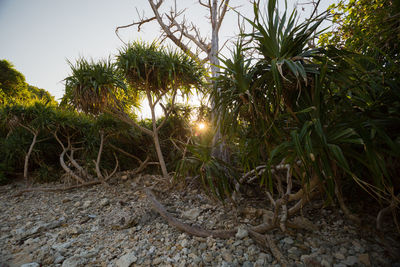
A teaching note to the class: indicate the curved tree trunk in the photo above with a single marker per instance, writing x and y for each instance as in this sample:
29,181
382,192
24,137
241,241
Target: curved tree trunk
155,136
28,154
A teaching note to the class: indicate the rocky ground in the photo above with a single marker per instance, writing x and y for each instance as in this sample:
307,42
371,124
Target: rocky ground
116,226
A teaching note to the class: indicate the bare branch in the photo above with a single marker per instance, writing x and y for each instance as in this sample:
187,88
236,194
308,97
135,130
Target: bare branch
125,118
28,154
80,169
221,14
62,162
167,29
115,168
126,153
204,4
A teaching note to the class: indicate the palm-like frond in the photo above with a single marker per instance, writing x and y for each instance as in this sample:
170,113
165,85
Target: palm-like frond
93,86
157,68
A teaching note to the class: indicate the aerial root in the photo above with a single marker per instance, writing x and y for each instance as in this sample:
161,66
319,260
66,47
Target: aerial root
257,233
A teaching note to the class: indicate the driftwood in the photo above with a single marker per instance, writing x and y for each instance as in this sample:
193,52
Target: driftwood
258,233
56,189
193,230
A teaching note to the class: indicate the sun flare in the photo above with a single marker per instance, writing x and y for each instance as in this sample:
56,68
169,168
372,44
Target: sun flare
201,126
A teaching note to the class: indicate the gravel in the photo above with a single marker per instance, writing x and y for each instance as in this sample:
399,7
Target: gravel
116,226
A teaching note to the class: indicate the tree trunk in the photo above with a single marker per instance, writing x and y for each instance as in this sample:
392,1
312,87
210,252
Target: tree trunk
28,154
155,136
219,149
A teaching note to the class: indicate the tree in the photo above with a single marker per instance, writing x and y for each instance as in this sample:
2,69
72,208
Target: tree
14,89
97,87
187,37
41,95
367,26
12,83
157,72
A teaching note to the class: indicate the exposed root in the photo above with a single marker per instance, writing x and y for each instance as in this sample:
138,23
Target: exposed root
391,208
55,189
192,230
343,206
266,241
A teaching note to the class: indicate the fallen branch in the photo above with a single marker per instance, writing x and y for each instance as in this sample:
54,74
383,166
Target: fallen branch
56,189
192,230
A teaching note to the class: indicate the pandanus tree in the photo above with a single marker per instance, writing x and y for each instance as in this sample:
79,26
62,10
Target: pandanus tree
310,115
95,87
149,69
158,73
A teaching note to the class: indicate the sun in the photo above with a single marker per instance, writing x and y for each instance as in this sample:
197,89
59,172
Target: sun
201,126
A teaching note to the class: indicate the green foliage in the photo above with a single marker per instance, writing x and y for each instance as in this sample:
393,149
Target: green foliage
12,82
41,95
216,175
14,89
324,111
369,27
95,87
149,66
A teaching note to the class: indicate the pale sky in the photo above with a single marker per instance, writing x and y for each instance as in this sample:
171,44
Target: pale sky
38,36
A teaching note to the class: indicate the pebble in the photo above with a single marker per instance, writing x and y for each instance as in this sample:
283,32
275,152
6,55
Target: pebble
339,256
85,228
241,232
126,260
104,202
191,214
364,259
32,264
288,240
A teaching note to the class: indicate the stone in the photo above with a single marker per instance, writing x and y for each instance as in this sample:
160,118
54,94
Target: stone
207,257
74,261
288,240
86,204
63,246
247,264
241,232
339,256
58,258
184,243
325,263
31,264
227,256
364,259
104,202
351,260
191,214
126,260
158,261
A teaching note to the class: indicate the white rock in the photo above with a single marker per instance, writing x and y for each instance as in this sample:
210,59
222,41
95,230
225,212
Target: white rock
87,204
192,214
32,264
351,260
184,243
74,261
241,232
104,202
126,260
288,240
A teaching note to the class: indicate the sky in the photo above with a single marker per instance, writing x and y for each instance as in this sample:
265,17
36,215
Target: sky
38,37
